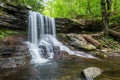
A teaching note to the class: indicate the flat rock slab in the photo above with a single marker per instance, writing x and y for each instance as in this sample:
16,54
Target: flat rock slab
91,73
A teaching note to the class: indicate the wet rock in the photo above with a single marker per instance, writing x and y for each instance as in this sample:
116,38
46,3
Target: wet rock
115,54
44,51
18,57
13,52
29,7
78,41
91,73
56,50
66,56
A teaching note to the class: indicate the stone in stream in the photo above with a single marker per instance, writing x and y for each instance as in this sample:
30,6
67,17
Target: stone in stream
44,51
56,51
91,73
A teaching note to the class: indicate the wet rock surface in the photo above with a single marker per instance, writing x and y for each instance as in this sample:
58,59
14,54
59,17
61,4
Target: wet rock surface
91,72
13,52
79,42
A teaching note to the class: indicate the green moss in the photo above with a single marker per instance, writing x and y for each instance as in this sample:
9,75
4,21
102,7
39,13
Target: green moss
6,32
62,36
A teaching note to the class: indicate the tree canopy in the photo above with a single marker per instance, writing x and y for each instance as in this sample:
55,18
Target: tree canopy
76,8
68,8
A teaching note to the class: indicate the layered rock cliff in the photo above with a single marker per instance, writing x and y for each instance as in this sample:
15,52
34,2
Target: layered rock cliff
13,51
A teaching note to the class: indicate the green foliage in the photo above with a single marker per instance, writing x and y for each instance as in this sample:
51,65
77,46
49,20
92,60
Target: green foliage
62,36
71,8
76,8
37,5
115,18
6,32
111,43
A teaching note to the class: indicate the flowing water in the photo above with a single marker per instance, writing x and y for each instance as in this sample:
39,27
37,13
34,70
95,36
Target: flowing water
64,70
42,33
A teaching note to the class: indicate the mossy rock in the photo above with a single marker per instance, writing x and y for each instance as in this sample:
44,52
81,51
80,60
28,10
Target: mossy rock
88,47
62,37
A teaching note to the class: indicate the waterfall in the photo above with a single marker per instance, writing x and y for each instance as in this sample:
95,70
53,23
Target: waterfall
42,39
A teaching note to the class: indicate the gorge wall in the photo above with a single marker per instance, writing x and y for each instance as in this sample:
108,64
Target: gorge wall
15,17
13,51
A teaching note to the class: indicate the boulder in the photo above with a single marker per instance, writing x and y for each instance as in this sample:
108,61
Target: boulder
91,72
78,41
56,51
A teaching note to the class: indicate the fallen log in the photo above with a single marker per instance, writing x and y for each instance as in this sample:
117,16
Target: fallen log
91,40
114,33
96,34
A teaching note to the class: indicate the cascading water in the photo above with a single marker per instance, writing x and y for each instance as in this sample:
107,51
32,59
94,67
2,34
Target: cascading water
42,36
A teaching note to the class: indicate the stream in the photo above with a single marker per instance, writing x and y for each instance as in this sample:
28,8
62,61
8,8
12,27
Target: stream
64,70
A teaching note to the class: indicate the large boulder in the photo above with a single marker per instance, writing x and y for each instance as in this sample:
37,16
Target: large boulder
91,73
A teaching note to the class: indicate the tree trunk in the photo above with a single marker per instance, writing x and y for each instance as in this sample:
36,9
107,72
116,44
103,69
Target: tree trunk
109,3
105,17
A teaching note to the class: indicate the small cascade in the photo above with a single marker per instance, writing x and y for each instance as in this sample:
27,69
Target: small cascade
42,36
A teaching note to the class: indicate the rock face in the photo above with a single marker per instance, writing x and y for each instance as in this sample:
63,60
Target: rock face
77,41
64,25
13,52
91,73
13,16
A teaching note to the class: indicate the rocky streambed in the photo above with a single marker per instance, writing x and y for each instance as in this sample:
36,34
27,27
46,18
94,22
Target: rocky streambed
64,70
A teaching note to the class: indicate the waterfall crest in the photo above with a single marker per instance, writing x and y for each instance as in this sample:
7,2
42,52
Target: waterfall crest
42,37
